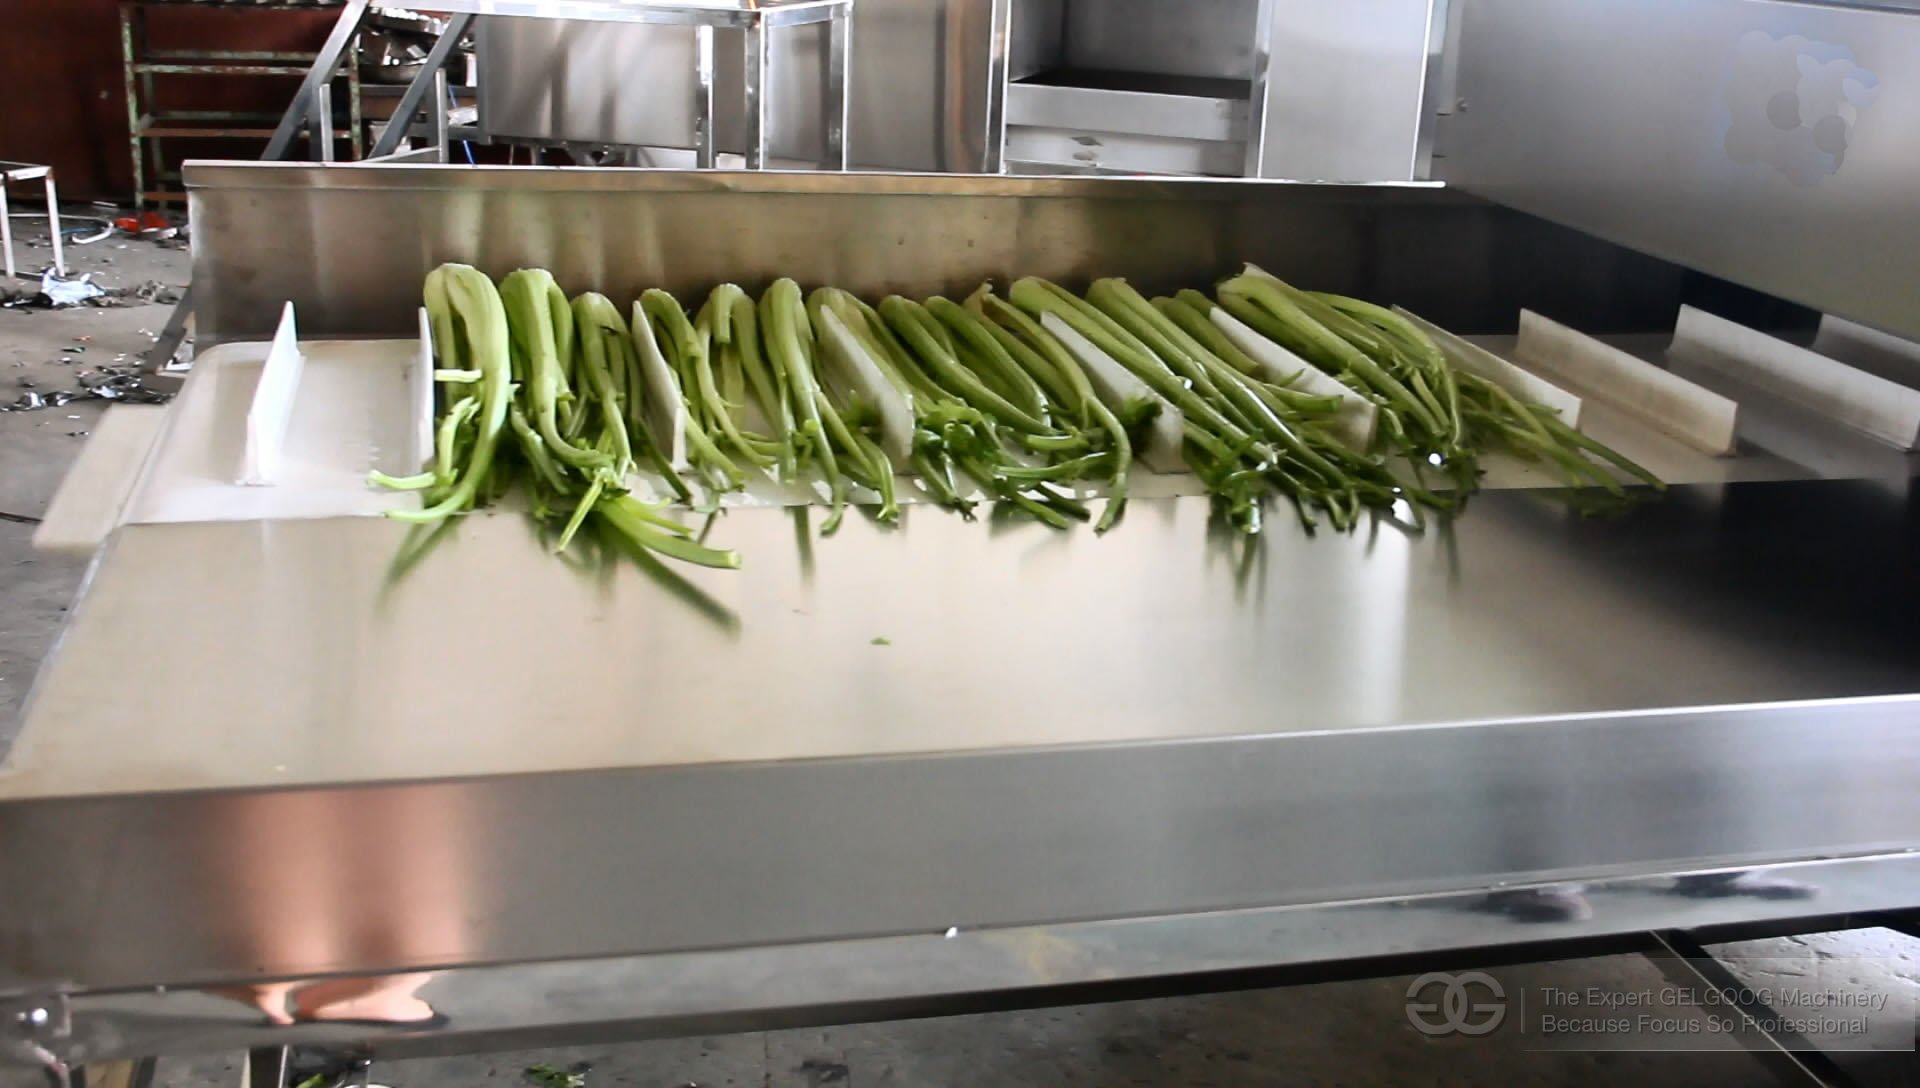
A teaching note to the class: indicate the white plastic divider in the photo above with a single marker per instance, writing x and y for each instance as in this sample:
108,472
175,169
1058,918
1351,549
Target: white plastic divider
860,372
354,406
420,388
1685,410
666,409
1482,363
1869,349
272,405
1358,416
1865,402
1116,385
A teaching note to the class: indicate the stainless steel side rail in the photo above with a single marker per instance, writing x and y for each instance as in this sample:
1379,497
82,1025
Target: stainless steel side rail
513,1006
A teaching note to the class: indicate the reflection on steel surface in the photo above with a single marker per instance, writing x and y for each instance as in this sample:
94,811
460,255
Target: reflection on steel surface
309,664
1697,129
1792,104
277,232
490,1006
731,794
1346,88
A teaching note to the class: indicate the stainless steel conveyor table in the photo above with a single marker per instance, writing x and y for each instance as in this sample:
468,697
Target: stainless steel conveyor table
900,772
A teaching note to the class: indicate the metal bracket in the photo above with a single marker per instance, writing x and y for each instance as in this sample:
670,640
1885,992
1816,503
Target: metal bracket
1688,965
31,1027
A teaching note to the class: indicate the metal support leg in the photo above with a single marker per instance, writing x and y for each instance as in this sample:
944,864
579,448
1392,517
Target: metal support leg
172,335
266,1068
320,124
759,77
432,79
442,119
834,100
6,228
53,225
994,157
1257,91
325,64
703,111
356,131
142,45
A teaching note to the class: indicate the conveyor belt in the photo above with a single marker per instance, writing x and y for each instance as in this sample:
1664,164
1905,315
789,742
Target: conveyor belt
288,653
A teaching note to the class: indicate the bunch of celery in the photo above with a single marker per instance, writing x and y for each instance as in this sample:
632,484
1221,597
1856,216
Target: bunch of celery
737,358
563,379
1418,394
1434,414
1246,435
988,404
1268,393
797,385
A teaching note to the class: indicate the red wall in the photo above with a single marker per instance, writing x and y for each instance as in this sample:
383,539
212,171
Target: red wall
65,97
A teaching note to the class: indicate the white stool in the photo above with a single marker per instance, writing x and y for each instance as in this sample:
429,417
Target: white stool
11,172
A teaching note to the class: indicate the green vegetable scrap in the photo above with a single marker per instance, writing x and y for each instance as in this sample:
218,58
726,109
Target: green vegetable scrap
546,1076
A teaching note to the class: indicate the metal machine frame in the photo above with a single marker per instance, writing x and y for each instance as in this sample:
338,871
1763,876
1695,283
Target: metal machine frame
149,123
1080,768
312,103
754,21
902,857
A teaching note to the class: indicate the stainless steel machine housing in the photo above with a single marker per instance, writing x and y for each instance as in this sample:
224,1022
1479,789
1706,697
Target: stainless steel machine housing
1317,90
1352,738
1076,762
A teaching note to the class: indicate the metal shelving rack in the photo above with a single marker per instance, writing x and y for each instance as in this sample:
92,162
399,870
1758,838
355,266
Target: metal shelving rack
149,124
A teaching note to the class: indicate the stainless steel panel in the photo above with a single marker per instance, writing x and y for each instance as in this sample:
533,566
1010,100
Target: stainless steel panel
1767,142
999,61
322,238
582,82
1040,150
1258,88
1346,89
1165,37
1140,113
298,631
204,887
1436,100
921,74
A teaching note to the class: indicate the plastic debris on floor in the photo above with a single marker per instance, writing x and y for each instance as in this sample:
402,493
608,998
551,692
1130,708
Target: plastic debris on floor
125,384
55,293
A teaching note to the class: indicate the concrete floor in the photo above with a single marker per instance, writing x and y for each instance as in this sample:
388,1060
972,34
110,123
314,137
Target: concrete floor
1354,1033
